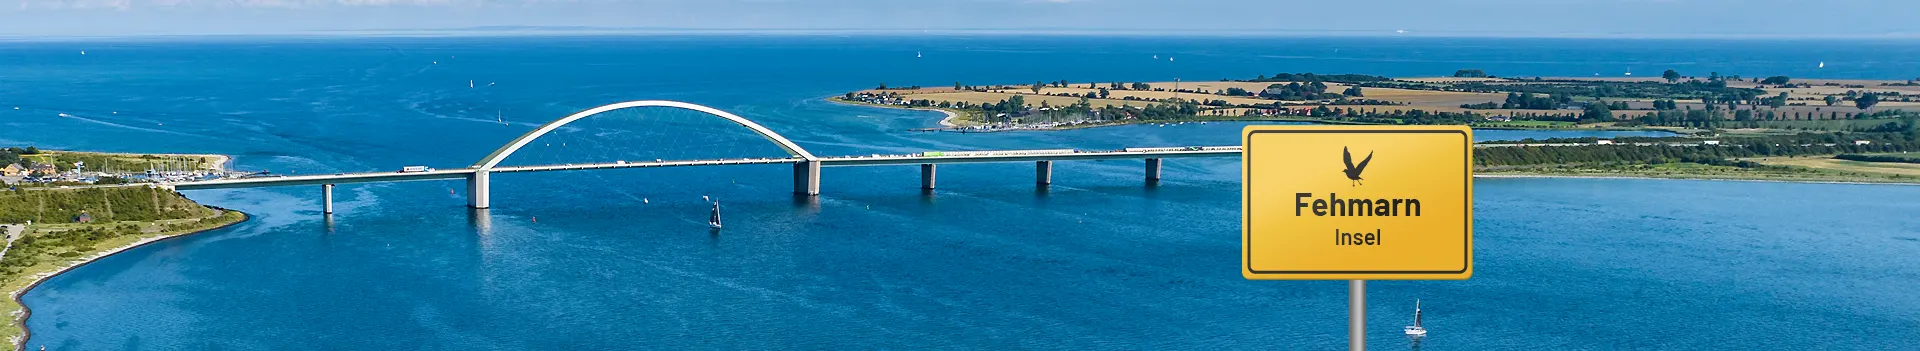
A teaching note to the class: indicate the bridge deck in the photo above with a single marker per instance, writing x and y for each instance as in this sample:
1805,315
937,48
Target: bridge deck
838,161
843,161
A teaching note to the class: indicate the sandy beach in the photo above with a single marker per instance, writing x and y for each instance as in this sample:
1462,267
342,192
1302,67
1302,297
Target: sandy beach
944,121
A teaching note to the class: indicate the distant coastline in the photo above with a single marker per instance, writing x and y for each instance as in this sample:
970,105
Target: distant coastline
1505,175
948,120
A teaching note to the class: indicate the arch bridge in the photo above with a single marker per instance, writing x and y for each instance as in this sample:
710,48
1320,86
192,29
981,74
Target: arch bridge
806,166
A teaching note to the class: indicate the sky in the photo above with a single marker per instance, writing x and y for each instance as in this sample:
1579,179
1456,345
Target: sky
1517,18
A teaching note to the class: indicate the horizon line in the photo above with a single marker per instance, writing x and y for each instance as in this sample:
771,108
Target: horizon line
518,30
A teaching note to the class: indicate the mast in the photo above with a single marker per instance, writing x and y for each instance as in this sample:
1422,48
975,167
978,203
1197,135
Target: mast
1416,313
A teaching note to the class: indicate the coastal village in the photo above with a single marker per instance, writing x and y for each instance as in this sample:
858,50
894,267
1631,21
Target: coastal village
32,166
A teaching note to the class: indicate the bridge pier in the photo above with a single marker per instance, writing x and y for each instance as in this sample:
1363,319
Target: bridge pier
1153,170
926,176
326,198
1043,172
806,178
478,189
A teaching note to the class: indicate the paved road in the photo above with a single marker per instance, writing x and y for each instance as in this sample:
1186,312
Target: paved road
13,232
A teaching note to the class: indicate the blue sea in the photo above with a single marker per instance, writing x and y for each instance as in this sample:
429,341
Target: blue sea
622,259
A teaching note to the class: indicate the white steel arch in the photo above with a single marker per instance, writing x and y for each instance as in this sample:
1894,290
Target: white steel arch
507,150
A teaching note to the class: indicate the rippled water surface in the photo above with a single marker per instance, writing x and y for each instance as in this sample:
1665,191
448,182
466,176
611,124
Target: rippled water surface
622,259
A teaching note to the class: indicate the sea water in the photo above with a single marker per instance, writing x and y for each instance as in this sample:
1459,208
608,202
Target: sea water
622,259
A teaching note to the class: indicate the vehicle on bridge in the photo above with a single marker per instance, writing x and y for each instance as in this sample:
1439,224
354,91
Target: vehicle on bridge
415,169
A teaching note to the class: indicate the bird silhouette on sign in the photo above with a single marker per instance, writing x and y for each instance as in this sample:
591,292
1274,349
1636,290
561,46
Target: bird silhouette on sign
1353,171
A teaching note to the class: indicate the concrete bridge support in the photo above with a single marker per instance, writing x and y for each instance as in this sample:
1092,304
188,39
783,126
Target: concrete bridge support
1043,172
326,197
1153,170
479,194
926,176
806,178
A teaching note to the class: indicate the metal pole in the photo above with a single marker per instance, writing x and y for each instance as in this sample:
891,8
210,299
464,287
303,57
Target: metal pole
1357,315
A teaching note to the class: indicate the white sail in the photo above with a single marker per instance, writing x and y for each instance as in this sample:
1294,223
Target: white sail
1416,330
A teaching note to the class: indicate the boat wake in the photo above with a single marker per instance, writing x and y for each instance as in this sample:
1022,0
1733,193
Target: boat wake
123,126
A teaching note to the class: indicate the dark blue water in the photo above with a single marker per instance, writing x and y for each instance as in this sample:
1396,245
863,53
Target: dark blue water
577,260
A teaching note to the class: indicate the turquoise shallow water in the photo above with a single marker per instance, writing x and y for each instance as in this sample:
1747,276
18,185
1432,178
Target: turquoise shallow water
1096,262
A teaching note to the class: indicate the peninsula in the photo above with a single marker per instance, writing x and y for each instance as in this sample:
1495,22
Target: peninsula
55,215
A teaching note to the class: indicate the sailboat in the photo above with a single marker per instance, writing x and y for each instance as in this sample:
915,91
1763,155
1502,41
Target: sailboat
1414,330
715,220
916,54
1823,64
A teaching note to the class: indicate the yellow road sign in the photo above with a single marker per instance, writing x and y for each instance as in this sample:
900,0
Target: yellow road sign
1357,202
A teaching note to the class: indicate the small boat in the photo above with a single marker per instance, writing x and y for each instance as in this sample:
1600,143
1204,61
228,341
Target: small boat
715,220
1823,64
1414,330
916,54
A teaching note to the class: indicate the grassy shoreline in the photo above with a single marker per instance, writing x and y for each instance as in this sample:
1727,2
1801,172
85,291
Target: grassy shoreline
1696,177
18,284
72,227
1703,172
1525,175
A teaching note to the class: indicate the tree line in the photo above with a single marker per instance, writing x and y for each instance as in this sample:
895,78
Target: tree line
1625,152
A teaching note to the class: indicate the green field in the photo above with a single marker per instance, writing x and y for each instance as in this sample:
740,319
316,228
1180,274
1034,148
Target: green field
1825,125
121,217
1525,124
133,163
1780,171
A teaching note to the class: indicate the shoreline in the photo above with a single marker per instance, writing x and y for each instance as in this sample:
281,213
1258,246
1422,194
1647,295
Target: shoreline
944,122
20,342
1808,181
947,122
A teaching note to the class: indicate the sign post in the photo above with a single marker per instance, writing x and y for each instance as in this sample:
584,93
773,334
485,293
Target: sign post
1357,203
1356,315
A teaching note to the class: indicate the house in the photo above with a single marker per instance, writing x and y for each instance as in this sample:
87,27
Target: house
1603,142
1862,142
43,170
83,218
1710,142
12,170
